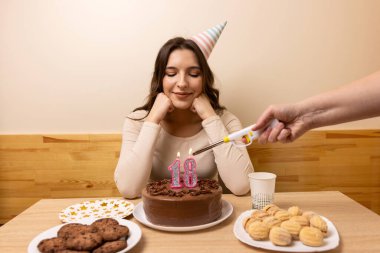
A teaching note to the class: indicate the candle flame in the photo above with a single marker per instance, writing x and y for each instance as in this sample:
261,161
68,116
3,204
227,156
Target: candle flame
178,154
190,151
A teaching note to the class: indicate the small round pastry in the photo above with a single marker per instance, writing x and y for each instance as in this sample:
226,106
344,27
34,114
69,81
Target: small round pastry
269,206
258,231
272,221
271,209
244,221
282,215
280,236
302,220
293,228
317,222
249,222
308,214
311,236
259,214
295,210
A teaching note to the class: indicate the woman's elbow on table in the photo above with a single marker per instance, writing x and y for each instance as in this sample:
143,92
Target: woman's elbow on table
239,189
239,184
128,192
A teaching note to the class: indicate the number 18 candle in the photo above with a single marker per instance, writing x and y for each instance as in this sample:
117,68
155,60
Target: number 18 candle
190,177
175,170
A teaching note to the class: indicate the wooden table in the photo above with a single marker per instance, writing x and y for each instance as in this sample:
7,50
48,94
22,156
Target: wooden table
359,228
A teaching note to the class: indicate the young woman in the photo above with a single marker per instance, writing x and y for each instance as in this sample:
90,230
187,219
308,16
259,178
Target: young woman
182,112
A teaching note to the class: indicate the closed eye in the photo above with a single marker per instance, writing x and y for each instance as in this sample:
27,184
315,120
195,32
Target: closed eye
170,73
194,74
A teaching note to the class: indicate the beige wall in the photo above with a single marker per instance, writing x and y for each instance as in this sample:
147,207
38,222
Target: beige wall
81,66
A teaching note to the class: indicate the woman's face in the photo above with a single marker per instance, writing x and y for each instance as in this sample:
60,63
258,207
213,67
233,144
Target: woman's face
183,78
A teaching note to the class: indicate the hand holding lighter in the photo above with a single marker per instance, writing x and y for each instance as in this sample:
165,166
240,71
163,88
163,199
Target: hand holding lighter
247,133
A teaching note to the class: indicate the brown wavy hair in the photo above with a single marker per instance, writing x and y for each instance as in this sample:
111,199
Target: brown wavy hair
156,85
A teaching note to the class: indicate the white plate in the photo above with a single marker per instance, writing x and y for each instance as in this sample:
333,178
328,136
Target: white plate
133,239
100,208
331,241
139,214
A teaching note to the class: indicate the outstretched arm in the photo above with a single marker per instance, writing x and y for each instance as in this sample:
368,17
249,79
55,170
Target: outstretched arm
357,100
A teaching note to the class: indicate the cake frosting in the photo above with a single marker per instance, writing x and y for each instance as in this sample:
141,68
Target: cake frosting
184,206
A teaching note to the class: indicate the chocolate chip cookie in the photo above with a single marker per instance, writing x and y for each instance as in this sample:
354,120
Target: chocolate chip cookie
71,251
73,229
51,245
85,241
112,233
111,247
104,222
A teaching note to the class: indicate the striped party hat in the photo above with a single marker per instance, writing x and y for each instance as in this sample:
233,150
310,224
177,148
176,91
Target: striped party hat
206,40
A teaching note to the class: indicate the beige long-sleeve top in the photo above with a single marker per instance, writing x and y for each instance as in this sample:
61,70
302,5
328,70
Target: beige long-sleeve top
147,150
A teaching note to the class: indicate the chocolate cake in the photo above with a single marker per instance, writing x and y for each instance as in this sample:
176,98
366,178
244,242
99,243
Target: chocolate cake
182,207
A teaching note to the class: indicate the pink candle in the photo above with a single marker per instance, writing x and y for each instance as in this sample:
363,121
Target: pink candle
190,177
175,170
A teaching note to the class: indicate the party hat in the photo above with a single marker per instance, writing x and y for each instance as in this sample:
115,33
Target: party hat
206,40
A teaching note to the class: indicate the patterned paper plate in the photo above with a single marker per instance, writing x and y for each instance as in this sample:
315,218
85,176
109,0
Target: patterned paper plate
101,208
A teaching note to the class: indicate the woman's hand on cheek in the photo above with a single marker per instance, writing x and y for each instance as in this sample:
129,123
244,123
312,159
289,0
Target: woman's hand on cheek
201,106
162,105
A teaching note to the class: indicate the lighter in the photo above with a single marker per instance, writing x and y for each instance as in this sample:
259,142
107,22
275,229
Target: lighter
247,133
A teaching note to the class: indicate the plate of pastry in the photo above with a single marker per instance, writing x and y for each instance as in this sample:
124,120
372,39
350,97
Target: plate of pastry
100,208
289,230
95,235
139,214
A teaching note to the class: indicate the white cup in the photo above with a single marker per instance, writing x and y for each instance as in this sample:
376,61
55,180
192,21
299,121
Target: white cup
262,188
